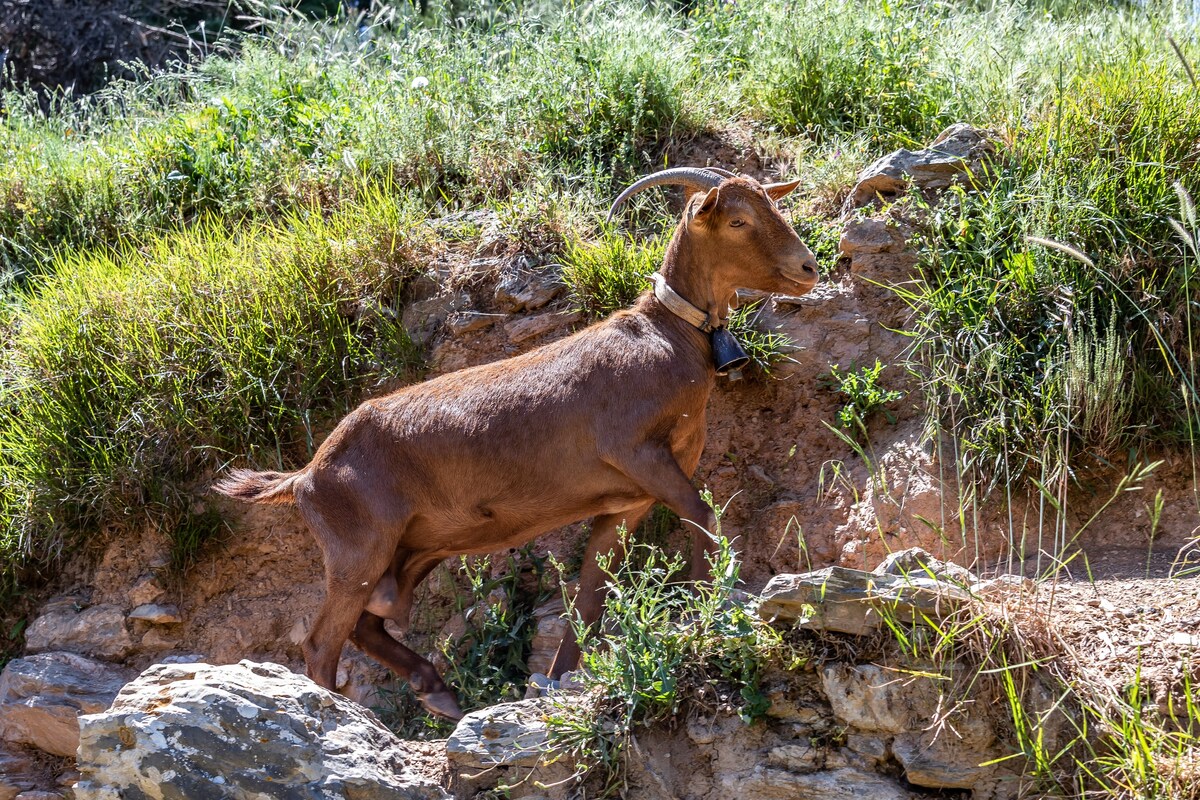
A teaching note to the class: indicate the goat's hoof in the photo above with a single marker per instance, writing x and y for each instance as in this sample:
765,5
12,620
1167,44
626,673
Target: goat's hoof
442,704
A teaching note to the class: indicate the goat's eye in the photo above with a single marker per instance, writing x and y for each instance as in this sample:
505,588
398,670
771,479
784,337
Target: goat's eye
737,223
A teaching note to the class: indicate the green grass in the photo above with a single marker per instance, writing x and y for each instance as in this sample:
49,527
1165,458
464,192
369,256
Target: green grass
131,375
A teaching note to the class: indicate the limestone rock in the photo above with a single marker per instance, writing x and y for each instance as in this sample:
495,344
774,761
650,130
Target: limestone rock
507,735
915,562
521,289
552,626
520,330
945,761
871,699
157,614
242,730
873,235
461,323
42,696
98,631
424,318
770,783
958,152
853,601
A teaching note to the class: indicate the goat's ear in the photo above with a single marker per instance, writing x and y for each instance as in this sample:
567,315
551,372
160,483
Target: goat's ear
707,204
778,191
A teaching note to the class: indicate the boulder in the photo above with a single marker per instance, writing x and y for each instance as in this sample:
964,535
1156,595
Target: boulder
507,735
98,631
243,730
42,696
958,153
856,602
869,698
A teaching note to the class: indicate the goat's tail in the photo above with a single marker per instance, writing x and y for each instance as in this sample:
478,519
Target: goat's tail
271,488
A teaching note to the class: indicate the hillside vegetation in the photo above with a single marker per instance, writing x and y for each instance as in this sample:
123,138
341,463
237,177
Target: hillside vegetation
209,263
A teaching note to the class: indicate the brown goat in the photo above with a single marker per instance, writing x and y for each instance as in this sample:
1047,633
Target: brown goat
601,424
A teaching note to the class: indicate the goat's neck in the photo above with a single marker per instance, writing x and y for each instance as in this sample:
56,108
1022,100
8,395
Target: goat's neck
689,272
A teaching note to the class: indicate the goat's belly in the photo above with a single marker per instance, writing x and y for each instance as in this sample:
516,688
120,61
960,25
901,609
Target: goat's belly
494,527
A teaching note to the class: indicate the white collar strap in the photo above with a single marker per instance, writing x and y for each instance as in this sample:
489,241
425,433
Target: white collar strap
679,306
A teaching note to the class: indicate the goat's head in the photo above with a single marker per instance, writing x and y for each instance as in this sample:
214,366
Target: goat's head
732,229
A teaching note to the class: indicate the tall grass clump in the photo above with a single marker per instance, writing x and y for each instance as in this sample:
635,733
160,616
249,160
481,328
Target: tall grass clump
130,374
1054,309
827,68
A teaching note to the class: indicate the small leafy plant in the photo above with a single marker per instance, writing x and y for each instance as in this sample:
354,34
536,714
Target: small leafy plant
665,646
866,396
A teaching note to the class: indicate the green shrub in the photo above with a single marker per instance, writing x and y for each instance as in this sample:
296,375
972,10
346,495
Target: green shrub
662,645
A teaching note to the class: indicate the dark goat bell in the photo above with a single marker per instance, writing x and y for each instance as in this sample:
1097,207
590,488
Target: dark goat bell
728,356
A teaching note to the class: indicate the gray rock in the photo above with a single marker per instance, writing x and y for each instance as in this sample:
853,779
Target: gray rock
771,783
507,735
521,289
239,731
461,323
869,698
854,601
424,318
873,235
948,760
157,614
915,562
958,152
797,757
42,696
98,631
520,330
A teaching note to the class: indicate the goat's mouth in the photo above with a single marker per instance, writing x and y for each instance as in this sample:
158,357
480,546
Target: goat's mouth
800,284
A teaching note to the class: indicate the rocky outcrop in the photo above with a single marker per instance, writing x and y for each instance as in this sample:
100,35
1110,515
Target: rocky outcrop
856,602
42,696
842,728
243,730
957,154
98,631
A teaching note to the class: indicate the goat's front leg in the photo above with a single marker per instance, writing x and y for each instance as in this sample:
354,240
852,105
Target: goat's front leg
654,469
589,599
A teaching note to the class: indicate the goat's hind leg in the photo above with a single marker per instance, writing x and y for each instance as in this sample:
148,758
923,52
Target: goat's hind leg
394,601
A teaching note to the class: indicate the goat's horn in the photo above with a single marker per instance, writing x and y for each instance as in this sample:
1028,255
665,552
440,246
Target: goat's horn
724,173
696,178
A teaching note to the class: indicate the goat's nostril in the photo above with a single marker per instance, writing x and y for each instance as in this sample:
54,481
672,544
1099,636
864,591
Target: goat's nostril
810,268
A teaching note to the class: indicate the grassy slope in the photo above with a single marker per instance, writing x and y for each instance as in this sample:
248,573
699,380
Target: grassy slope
207,265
